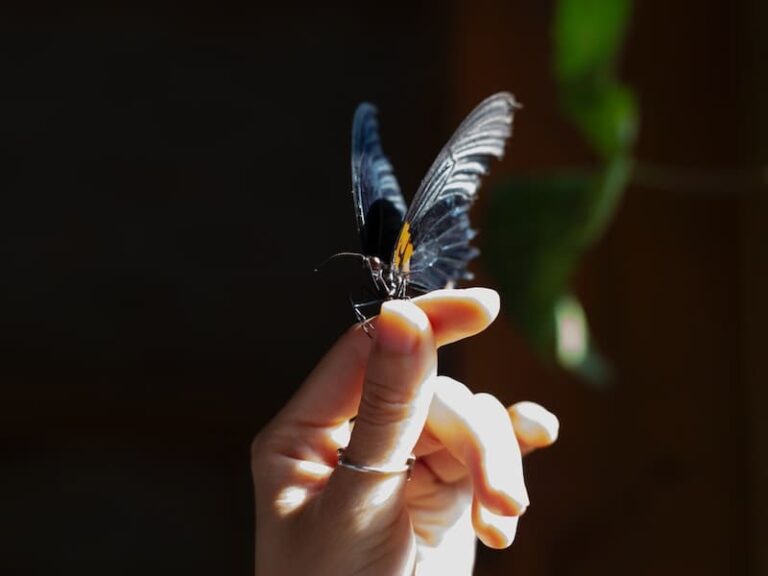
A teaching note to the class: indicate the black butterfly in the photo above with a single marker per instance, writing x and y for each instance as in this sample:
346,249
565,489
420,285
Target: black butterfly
427,247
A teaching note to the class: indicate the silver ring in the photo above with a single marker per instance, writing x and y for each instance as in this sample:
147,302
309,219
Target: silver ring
407,467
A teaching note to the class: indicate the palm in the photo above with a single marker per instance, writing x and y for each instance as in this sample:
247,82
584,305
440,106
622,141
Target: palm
441,519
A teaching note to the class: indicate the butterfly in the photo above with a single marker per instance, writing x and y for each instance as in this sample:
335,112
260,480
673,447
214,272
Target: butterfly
427,245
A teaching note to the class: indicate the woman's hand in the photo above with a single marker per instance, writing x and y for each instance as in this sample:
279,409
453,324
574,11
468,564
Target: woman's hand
313,517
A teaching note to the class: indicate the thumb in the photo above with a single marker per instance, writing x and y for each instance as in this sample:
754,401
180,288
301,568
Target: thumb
397,391
395,399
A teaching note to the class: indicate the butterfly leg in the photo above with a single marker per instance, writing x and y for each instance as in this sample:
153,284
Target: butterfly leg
364,320
365,323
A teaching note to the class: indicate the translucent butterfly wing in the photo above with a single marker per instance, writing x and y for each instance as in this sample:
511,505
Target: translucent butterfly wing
379,204
433,247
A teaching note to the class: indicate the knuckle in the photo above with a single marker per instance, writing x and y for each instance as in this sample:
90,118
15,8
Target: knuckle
485,397
381,405
489,405
491,418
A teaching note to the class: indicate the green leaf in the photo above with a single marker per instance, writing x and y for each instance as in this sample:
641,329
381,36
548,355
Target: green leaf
539,227
533,238
536,231
607,192
588,36
605,113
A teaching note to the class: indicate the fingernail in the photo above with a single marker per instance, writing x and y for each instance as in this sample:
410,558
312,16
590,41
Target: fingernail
399,326
488,298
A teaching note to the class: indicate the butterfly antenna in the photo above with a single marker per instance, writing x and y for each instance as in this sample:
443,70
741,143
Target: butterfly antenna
339,255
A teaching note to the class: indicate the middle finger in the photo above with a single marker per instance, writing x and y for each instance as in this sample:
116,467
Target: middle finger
477,431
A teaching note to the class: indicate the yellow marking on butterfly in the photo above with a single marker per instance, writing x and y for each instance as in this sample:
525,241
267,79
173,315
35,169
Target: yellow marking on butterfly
404,249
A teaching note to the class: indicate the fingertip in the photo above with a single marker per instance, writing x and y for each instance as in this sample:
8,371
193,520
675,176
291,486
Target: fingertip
502,499
406,311
400,326
504,502
534,424
486,299
497,465
459,313
494,530
489,299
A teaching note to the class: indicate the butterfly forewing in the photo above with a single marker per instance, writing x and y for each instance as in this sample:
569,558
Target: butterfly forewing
433,246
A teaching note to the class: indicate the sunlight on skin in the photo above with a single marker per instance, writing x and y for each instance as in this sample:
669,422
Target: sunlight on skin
311,476
442,521
500,477
436,507
372,506
406,357
290,499
386,490
340,434
311,470
458,539
455,314
476,429
308,476
495,530
446,467
405,443
535,426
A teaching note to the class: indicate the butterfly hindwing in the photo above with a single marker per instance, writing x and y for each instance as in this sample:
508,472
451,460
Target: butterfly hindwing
433,246
379,204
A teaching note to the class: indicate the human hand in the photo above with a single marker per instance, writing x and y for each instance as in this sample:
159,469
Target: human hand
313,517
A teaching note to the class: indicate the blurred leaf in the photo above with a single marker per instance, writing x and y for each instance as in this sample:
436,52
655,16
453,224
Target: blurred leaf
606,115
608,189
574,348
532,240
588,36
572,331
537,229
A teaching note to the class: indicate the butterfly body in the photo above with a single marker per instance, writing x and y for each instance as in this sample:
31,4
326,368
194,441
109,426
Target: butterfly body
388,281
425,246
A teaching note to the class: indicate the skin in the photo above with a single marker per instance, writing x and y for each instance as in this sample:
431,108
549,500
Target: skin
313,517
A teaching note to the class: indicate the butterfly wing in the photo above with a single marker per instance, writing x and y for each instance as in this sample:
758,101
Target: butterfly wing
379,204
433,247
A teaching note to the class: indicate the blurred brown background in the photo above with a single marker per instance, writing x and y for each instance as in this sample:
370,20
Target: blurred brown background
665,471
171,176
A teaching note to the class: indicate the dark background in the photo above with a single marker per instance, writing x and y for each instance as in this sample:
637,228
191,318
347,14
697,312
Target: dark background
170,176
